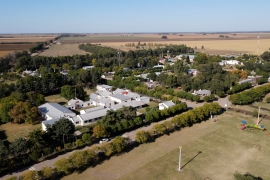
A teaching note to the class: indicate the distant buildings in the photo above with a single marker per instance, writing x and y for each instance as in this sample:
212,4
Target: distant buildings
230,62
88,67
203,92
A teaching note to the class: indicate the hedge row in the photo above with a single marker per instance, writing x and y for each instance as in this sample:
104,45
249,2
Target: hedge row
250,96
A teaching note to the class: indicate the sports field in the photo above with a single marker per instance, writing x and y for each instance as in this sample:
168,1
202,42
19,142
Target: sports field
224,149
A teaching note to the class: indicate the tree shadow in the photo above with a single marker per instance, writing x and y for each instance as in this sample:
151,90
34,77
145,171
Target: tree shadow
191,159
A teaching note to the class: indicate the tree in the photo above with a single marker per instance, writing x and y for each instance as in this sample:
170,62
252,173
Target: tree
79,143
35,98
19,146
78,159
86,137
266,56
99,131
23,112
159,129
152,76
63,165
62,128
47,172
30,175
36,140
68,92
118,144
142,136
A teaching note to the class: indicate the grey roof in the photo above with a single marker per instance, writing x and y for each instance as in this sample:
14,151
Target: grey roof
104,100
88,67
157,73
119,91
134,104
103,93
76,119
94,109
144,76
54,110
202,92
168,103
121,97
50,122
132,94
74,101
94,114
105,86
93,96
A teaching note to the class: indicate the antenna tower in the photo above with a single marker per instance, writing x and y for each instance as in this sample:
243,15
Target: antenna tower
119,57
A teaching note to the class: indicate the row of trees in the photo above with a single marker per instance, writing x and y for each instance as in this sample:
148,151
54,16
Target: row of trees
38,144
180,121
80,160
239,87
250,96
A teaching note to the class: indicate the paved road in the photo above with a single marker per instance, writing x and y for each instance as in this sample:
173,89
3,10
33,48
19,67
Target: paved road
131,135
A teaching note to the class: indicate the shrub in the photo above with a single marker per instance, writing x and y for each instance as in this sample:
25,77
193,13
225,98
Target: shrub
79,143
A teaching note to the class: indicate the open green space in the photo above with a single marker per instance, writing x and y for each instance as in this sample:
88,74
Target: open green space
224,149
10,131
150,105
56,99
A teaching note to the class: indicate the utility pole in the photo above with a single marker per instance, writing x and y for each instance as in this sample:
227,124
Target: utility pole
258,121
180,156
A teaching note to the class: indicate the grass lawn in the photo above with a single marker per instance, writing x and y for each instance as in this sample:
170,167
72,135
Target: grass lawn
10,131
224,150
151,104
56,99
9,81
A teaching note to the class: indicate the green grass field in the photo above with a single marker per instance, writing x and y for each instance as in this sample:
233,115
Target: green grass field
150,105
10,131
224,150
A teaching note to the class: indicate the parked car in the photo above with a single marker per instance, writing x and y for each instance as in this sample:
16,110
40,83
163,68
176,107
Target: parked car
104,140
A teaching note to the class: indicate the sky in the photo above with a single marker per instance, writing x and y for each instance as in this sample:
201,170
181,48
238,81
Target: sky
123,16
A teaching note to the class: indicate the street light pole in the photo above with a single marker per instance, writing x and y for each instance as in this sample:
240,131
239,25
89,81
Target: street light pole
180,154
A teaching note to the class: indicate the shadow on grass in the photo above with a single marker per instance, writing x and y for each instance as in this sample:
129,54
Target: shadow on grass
191,159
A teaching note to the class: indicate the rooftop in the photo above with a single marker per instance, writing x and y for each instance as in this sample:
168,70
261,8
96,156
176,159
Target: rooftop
54,110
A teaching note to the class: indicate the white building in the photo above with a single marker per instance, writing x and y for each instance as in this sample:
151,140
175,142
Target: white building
203,92
52,112
77,104
88,67
230,62
165,105
104,87
120,98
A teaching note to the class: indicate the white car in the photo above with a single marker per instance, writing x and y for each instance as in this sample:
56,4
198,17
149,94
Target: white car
104,140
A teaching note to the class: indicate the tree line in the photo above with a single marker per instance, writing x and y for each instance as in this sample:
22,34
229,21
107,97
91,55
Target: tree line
80,160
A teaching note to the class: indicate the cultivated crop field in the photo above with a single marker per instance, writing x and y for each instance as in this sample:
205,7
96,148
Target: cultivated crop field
223,148
213,44
14,39
63,50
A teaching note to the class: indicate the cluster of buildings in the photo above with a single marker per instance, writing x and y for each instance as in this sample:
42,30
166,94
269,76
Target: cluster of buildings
103,100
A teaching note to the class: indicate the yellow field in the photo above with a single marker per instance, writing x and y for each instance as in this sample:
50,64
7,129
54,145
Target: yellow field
3,53
63,50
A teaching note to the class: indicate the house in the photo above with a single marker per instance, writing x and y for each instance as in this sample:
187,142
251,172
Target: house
245,81
120,98
30,73
159,66
104,87
77,104
191,57
105,102
230,62
108,75
202,92
88,67
192,72
165,105
54,111
145,99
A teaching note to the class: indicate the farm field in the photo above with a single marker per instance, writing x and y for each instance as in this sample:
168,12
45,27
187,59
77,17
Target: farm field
224,149
63,50
213,44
